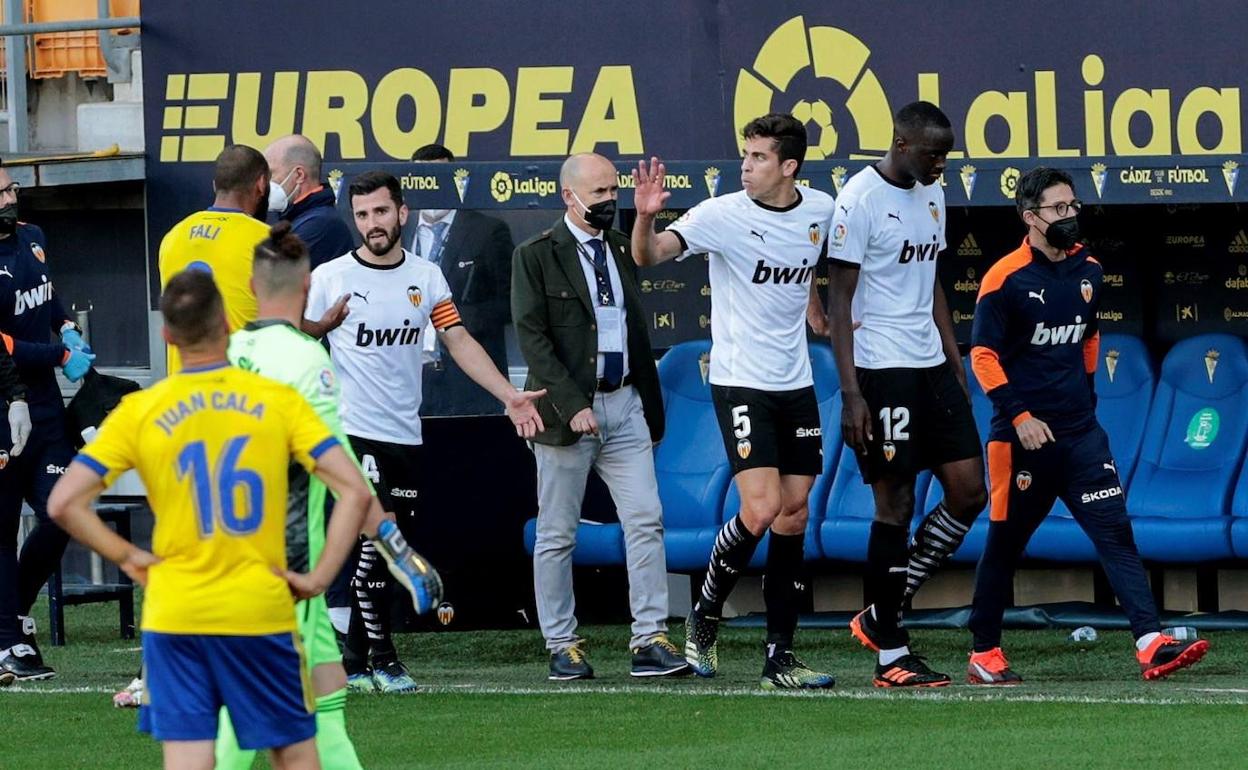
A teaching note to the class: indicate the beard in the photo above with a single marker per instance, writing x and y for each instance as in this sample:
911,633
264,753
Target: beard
261,211
391,237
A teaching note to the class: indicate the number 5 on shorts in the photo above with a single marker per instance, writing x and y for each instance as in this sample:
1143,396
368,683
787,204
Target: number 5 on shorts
741,421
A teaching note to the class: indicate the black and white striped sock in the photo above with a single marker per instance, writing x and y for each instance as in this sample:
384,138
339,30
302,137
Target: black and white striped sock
937,539
734,546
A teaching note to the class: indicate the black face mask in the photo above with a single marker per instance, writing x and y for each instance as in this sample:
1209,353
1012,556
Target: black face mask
1063,233
601,215
8,220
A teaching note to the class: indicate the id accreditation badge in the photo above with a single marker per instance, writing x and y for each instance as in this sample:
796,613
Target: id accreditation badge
610,329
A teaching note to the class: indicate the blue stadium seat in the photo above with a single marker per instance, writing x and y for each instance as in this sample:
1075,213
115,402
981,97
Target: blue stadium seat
1125,379
692,468
1180,495
598,544
828,392
973,545
1239,516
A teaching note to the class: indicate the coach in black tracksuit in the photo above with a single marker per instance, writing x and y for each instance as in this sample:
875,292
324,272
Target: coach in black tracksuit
1034,351
30,313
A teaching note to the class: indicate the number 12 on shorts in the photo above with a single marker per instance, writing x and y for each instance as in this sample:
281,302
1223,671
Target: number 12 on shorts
896,421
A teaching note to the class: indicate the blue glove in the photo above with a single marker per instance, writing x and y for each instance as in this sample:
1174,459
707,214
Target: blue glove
76,366
72,339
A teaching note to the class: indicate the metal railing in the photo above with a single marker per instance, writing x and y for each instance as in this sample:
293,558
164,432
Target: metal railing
15,96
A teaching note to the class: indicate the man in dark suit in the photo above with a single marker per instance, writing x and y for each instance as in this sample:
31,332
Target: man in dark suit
474,252
577,309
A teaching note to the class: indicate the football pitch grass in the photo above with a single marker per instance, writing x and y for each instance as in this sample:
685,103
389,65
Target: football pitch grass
485,701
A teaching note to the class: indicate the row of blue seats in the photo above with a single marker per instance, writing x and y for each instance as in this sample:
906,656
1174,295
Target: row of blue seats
1178,439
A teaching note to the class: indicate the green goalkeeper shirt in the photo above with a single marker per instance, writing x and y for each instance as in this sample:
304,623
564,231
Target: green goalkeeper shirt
277,350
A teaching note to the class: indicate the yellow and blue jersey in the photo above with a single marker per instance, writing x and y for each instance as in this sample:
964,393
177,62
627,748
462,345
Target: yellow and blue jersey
221,242
213,448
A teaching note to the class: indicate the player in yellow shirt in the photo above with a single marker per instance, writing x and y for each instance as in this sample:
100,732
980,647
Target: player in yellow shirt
213,446
221,240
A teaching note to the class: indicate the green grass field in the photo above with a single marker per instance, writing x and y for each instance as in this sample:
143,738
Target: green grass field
486,701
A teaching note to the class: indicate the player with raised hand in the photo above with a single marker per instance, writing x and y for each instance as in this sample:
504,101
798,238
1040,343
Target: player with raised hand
764,243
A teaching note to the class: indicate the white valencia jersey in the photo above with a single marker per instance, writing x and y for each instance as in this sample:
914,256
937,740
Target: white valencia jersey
378,349
894,233
762,262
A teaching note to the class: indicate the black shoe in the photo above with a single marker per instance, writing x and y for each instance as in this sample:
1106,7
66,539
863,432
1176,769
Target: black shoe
908,671
659,658
783,671
28,638
23,662
570,663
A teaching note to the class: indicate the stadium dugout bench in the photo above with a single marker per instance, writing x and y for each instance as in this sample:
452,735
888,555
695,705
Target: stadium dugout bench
62,594
1125,380
1181,491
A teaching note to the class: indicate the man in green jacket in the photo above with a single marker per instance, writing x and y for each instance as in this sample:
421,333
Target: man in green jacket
577,310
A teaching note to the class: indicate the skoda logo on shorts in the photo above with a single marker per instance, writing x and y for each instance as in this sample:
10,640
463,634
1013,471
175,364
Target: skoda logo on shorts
1022,481
890,451
743,448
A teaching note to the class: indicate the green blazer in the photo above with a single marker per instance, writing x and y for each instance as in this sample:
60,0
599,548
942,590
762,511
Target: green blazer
557,330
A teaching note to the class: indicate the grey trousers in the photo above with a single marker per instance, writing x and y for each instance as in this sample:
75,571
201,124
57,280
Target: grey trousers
623,456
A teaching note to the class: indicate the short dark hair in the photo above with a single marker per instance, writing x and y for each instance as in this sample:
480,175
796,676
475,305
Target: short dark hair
237,168
433,152
1031,186
917,116
787,131
372,181
192,307
279,259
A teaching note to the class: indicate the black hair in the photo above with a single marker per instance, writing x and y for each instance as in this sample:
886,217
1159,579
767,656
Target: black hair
372,181
192,307
433,152
917,116
1031,186
237,169
787,131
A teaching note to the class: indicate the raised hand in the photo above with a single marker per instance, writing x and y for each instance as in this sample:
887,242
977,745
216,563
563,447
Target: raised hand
649,197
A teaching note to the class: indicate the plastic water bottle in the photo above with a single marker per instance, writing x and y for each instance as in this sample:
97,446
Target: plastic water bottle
1083,634
1181,633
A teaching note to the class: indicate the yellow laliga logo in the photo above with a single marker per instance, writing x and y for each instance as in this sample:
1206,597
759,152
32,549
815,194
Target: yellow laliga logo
504,185
834,57
501,186
1009,181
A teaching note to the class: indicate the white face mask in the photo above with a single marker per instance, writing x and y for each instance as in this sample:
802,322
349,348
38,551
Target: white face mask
279,201
434,215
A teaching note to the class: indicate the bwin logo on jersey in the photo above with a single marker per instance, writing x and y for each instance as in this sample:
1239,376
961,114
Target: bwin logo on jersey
1059,335
764,273
32,298
405,335
921,252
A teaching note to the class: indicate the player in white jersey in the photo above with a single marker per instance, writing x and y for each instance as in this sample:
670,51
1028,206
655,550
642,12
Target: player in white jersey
378,353
764,243
906,405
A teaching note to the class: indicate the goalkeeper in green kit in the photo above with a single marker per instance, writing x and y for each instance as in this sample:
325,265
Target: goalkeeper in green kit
274,347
